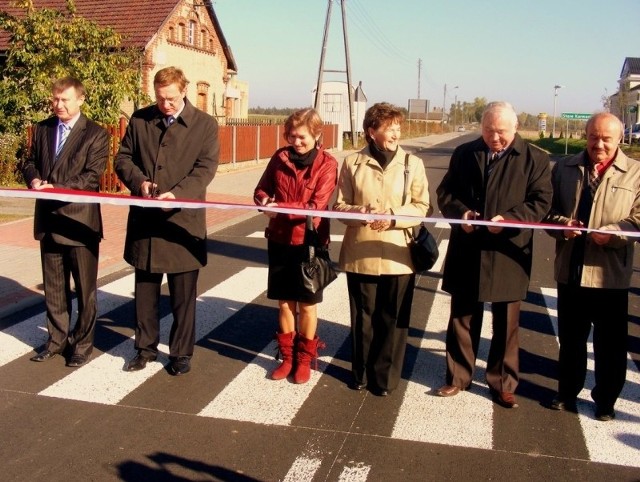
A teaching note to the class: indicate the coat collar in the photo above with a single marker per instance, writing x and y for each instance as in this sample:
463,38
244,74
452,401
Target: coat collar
621,161
186,116
365,157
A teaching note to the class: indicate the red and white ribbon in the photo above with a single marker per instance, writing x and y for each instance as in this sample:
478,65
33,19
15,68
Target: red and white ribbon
69,195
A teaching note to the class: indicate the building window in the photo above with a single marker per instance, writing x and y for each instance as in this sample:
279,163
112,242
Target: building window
202,89
181,32
192,33
201,103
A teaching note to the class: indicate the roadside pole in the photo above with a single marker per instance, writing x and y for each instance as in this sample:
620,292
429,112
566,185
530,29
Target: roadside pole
572,116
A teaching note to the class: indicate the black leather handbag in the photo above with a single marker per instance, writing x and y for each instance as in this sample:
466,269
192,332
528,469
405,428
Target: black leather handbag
316,271
424,250
423,246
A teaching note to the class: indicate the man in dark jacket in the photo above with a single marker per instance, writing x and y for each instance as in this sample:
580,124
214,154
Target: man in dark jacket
494,178
68,151
170,150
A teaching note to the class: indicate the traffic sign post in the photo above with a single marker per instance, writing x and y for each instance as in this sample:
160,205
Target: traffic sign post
571,116
575,116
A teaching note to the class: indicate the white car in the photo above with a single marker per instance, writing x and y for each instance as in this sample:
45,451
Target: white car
635,133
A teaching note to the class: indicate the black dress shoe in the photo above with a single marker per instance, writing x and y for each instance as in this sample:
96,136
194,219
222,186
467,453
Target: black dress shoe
77,360
605,414
380,392
180,365
359,386
563,405
138,363
43,356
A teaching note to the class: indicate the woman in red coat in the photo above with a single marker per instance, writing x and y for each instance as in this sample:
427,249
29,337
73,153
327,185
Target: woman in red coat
301,175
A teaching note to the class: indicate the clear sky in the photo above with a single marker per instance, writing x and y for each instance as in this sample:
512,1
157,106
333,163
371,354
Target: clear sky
513,50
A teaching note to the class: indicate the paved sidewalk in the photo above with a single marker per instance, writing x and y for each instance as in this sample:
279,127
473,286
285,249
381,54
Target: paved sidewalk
20,268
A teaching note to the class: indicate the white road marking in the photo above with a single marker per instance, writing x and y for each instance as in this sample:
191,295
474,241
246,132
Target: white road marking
102,380
23,337
355,473
613,442
253,397
303,470
465,420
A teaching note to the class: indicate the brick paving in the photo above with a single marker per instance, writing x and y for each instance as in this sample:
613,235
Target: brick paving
20,268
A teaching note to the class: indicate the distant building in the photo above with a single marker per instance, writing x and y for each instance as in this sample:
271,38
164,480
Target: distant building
334,105
182,33
626,102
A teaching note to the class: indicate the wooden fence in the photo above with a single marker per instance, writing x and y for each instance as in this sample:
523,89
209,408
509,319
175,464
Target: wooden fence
238,143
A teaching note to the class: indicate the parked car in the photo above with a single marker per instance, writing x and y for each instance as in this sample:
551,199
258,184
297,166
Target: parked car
461,129
635,133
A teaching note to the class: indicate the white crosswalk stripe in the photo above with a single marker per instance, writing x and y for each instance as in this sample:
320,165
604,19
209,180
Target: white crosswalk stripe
465,419
612,443
277,404
22,338
102,379
251,397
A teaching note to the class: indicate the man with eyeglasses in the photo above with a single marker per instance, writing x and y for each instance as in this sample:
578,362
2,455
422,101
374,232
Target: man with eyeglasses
170,151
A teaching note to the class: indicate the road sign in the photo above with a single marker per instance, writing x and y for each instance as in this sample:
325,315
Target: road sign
575,116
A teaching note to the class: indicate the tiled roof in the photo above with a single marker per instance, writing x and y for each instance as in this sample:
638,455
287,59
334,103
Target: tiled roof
634,65
136,20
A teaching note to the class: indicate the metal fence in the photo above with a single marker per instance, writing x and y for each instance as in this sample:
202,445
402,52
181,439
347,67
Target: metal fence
238,143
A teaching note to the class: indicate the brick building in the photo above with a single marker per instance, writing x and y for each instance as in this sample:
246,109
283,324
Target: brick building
183,33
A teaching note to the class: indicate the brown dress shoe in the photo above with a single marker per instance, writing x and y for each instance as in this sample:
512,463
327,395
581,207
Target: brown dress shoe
447,391
505,399
77,360
43,356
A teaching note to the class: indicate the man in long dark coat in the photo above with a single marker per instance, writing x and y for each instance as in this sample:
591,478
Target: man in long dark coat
170,150
496,177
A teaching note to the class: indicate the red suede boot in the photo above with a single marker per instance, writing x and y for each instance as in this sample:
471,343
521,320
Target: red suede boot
285,348
306,350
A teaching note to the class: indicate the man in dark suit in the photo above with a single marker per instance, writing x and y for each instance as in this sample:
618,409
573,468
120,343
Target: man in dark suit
170,150
68,151
496,177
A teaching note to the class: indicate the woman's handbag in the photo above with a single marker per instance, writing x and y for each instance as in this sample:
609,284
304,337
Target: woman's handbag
316,272
424,250
423,246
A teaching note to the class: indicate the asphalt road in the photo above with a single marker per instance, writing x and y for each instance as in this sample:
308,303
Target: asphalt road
226,421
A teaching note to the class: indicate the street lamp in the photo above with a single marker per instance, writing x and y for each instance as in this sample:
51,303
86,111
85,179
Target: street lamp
555,101
455,108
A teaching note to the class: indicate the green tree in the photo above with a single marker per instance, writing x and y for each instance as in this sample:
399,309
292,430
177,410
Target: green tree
479,103
47,44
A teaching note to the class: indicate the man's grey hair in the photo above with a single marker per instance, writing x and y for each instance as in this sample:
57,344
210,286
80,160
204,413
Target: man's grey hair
500,106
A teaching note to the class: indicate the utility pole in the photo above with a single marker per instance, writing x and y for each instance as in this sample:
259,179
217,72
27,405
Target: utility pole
419,75
444,101
318,99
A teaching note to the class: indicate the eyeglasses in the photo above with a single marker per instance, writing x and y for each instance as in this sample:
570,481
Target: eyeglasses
172,100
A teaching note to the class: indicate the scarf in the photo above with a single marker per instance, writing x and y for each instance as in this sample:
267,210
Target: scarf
302,160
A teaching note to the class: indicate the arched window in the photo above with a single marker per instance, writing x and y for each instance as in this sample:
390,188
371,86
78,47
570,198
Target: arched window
191,40
181,33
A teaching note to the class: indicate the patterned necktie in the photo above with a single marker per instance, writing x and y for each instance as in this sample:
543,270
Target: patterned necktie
169,120
594,179
63,133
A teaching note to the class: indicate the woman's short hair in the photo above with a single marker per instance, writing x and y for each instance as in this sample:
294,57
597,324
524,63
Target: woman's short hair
170,75
304,117
380,114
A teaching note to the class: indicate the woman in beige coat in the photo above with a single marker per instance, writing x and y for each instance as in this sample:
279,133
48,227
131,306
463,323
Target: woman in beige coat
374,254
